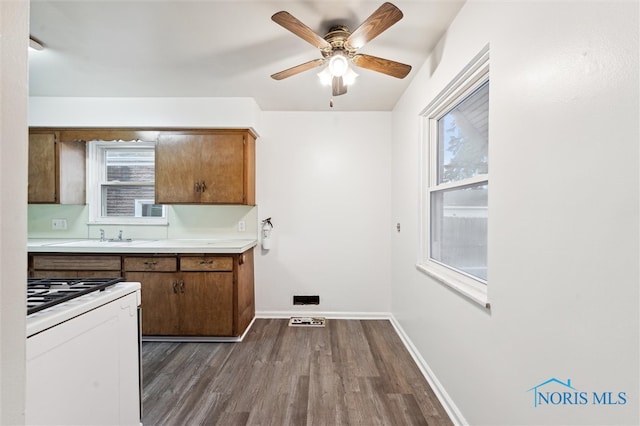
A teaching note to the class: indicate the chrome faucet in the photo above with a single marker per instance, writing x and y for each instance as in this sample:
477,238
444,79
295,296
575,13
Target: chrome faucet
102,235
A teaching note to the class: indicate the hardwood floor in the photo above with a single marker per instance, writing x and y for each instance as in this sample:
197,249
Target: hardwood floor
350,372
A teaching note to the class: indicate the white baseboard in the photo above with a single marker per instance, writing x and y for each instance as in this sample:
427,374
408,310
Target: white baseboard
447,403
325,314
442,395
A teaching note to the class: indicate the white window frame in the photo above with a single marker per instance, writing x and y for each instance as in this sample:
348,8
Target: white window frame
96,175
474,75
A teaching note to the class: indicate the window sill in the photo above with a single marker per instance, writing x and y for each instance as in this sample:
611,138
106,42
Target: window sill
475,293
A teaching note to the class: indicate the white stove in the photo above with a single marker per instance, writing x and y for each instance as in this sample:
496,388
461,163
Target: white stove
83,339
52,301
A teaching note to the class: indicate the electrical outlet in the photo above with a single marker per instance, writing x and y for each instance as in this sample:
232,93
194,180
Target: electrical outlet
59,224
242,226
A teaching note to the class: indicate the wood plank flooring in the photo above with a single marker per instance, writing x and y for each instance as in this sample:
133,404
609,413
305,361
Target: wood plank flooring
350,372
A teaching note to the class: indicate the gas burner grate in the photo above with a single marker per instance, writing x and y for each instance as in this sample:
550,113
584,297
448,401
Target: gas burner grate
43,293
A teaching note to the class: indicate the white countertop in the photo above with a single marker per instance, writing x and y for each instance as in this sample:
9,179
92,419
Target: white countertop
62,245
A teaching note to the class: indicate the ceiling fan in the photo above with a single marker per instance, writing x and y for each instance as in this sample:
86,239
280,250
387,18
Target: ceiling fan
339,47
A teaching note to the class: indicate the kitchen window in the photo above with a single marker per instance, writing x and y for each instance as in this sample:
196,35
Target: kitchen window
455,176
121,183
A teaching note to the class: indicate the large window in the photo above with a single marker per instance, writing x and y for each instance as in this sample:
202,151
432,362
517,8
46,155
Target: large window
121,184
456,183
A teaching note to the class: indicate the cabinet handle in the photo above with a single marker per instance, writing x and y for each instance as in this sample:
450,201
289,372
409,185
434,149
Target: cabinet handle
196,187
182,286
203,186
150,262
175,286
206,262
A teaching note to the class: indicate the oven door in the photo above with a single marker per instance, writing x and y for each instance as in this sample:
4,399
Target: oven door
86,370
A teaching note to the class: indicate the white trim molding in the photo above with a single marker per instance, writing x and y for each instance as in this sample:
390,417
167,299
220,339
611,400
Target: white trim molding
325,314
438,389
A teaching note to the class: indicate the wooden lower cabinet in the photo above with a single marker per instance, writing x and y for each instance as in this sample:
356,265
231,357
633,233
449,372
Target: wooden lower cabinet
195,295
186,304
206,299
192,295
159,302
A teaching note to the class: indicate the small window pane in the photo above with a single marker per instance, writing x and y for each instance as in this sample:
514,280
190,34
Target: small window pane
121,200
463,134
459,229
130,165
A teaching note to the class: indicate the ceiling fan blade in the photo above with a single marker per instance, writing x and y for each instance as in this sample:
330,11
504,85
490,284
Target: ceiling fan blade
374,25
385,66
338,87
298,69
292,24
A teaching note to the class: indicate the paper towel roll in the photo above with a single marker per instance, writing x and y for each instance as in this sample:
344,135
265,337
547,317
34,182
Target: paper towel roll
266,243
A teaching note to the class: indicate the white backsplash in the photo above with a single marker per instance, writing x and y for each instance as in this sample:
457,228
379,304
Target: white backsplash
185,221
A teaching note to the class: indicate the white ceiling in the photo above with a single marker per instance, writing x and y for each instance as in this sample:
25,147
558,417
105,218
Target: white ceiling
219,48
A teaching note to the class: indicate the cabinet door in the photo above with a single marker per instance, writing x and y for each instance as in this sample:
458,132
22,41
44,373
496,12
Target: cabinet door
245,290
177,166
42,168
222,169
206,301
160,302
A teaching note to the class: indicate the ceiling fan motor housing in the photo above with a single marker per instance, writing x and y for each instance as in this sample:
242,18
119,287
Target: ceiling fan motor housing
337,37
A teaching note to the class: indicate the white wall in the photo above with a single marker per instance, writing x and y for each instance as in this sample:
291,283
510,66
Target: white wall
324,179
563,223
14,19
144,112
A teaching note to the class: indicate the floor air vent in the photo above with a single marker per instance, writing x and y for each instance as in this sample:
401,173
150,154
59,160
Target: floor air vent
306,322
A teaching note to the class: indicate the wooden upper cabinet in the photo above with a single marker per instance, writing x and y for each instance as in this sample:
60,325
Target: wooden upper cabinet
176,168
56,169
203,166
42,168
213,167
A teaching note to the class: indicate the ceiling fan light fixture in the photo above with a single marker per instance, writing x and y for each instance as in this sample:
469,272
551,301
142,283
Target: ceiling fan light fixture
325,77
349,77
338,65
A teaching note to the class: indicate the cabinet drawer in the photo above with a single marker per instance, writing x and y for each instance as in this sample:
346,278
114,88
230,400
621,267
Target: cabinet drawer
77,263
141,264
75,274
206,263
